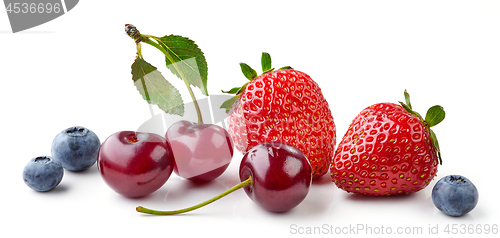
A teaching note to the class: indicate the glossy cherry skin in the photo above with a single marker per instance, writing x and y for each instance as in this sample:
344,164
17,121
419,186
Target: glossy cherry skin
281,175
135,164
202,152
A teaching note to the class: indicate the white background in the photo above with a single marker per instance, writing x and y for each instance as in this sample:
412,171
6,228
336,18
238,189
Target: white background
75,70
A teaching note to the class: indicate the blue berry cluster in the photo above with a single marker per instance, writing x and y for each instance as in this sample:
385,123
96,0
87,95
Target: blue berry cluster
74,149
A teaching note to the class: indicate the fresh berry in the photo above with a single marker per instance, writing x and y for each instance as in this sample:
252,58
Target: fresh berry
76,148
455,195
275,175
202,152
281,176
282,105
389,149
135,164
43,173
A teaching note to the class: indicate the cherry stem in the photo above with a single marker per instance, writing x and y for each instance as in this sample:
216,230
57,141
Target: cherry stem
181,74
243,184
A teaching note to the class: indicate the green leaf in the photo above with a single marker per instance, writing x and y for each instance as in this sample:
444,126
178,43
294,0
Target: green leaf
236,90
229,103
436,145
266,62
248,71
434,115
233,90
409,110
407,99
186,57
155,89
406,107
285,67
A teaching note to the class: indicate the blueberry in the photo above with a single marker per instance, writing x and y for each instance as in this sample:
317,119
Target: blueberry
43,173
76,148
455,195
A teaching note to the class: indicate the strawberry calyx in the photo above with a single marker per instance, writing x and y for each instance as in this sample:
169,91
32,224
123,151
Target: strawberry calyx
250,74
434,116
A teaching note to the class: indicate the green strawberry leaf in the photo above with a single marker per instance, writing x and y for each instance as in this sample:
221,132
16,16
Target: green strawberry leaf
407,106
233,90
188,59
436,145
285,67
155,89
408,109
434,115
229,103
266,62
248,71
237,91
407,99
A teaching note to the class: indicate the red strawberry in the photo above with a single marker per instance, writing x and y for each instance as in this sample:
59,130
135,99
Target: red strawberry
388,149
284,105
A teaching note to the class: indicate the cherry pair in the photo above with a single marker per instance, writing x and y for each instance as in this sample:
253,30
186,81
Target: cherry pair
135,164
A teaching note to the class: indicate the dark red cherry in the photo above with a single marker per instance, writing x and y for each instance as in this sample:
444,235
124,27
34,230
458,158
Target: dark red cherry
275,175
135,164
281,176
